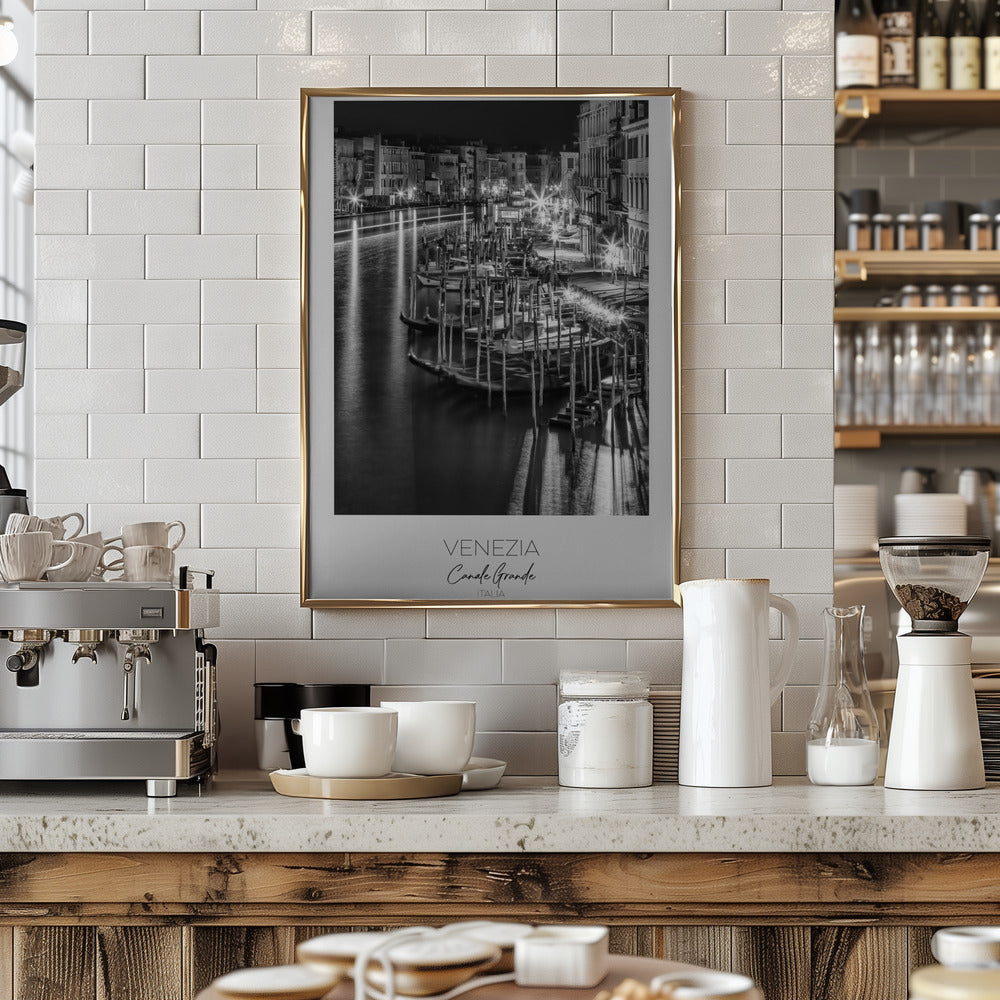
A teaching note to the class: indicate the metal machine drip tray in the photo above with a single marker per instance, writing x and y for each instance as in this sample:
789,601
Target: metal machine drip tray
94,734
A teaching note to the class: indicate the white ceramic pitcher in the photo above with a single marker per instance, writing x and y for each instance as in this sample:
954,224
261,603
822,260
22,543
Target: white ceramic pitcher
726,688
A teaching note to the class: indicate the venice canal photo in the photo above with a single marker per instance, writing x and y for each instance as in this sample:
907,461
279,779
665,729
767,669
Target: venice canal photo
491,307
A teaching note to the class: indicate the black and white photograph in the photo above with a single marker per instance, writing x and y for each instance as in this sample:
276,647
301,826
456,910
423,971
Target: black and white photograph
491,307
486,326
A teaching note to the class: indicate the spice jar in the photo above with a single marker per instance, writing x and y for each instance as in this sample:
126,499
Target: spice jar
883,237
931,232
986,297
605,729
910,297
907,232
959,297
980,232
859,231
934,297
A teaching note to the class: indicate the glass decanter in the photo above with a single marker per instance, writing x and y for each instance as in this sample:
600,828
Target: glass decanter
842,738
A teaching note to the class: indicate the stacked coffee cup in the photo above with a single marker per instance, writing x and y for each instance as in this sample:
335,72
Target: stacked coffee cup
148,551
36,548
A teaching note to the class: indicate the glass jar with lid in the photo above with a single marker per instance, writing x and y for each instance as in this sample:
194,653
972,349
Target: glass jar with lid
605,729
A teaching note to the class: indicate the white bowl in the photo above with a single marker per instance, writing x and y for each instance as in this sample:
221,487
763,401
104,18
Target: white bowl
432,963
706,985
967,947
482,772
503,933
282,982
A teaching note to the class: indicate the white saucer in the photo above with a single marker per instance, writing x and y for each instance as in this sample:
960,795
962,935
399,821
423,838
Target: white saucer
482,772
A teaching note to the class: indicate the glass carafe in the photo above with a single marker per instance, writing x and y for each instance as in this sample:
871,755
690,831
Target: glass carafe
842,738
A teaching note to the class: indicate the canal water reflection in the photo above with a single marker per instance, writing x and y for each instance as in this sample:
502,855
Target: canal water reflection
407,443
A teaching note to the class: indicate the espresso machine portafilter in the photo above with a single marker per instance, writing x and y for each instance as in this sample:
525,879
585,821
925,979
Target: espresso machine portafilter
111,681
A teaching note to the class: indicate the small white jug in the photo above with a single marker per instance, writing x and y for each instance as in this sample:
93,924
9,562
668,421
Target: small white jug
726,689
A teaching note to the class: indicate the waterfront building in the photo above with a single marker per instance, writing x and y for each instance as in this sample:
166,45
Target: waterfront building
394,171
541,170
418,173
636,232
602,209
347,173
473,169
516,164
442,167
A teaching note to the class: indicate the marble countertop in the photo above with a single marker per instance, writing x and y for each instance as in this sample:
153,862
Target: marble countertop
244,814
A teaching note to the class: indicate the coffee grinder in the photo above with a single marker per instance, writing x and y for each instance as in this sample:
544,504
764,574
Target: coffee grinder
934,740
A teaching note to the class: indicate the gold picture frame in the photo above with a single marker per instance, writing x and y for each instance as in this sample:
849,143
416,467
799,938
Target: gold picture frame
408,499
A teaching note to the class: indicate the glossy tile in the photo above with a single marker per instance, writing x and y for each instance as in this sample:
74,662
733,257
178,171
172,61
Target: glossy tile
231,32
350,32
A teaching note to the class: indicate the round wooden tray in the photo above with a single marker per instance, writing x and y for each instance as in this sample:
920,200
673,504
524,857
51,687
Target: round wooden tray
300,784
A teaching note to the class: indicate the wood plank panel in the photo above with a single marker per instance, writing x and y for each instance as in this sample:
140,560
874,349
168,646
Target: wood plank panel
708,946
864,963
214,951
532,883
776,958
135,962
54,963
643,940
7,963
919,947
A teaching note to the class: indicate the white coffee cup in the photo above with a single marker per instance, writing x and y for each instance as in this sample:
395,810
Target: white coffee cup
434,737
57,525
18,524
347,742
27,555
150,533
147,562
81,565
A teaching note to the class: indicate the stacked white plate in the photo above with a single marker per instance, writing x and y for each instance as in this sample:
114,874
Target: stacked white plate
930,514
855,520
666,732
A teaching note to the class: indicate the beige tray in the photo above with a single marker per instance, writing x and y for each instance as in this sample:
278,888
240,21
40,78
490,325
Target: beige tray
299,784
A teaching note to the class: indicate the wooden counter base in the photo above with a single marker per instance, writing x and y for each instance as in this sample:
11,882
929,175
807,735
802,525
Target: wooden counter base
152,926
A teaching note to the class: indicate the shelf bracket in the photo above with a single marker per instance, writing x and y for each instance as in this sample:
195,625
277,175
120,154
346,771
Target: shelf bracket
851,104
851,269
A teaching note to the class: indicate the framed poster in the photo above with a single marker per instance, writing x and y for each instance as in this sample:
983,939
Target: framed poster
490,344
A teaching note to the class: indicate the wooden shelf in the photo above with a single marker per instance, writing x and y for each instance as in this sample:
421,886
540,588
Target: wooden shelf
897,314
853,437
855,108
860,265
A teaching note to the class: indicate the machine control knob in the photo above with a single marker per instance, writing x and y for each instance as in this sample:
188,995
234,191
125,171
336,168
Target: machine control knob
25,659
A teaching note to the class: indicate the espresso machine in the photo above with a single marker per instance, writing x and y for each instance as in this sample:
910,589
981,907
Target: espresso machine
109,681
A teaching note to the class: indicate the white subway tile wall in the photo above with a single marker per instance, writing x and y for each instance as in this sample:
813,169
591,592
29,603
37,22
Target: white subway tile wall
167,310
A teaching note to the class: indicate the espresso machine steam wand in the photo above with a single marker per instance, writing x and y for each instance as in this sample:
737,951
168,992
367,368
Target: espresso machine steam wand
136,642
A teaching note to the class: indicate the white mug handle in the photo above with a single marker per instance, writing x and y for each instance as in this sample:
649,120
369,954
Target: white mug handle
79,528
297,727
791,641
72,555
176,524
117,540
102,568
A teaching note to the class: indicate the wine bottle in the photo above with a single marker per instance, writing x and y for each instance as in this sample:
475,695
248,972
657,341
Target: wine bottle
964,44
991,46
857,50
898,28
932,49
